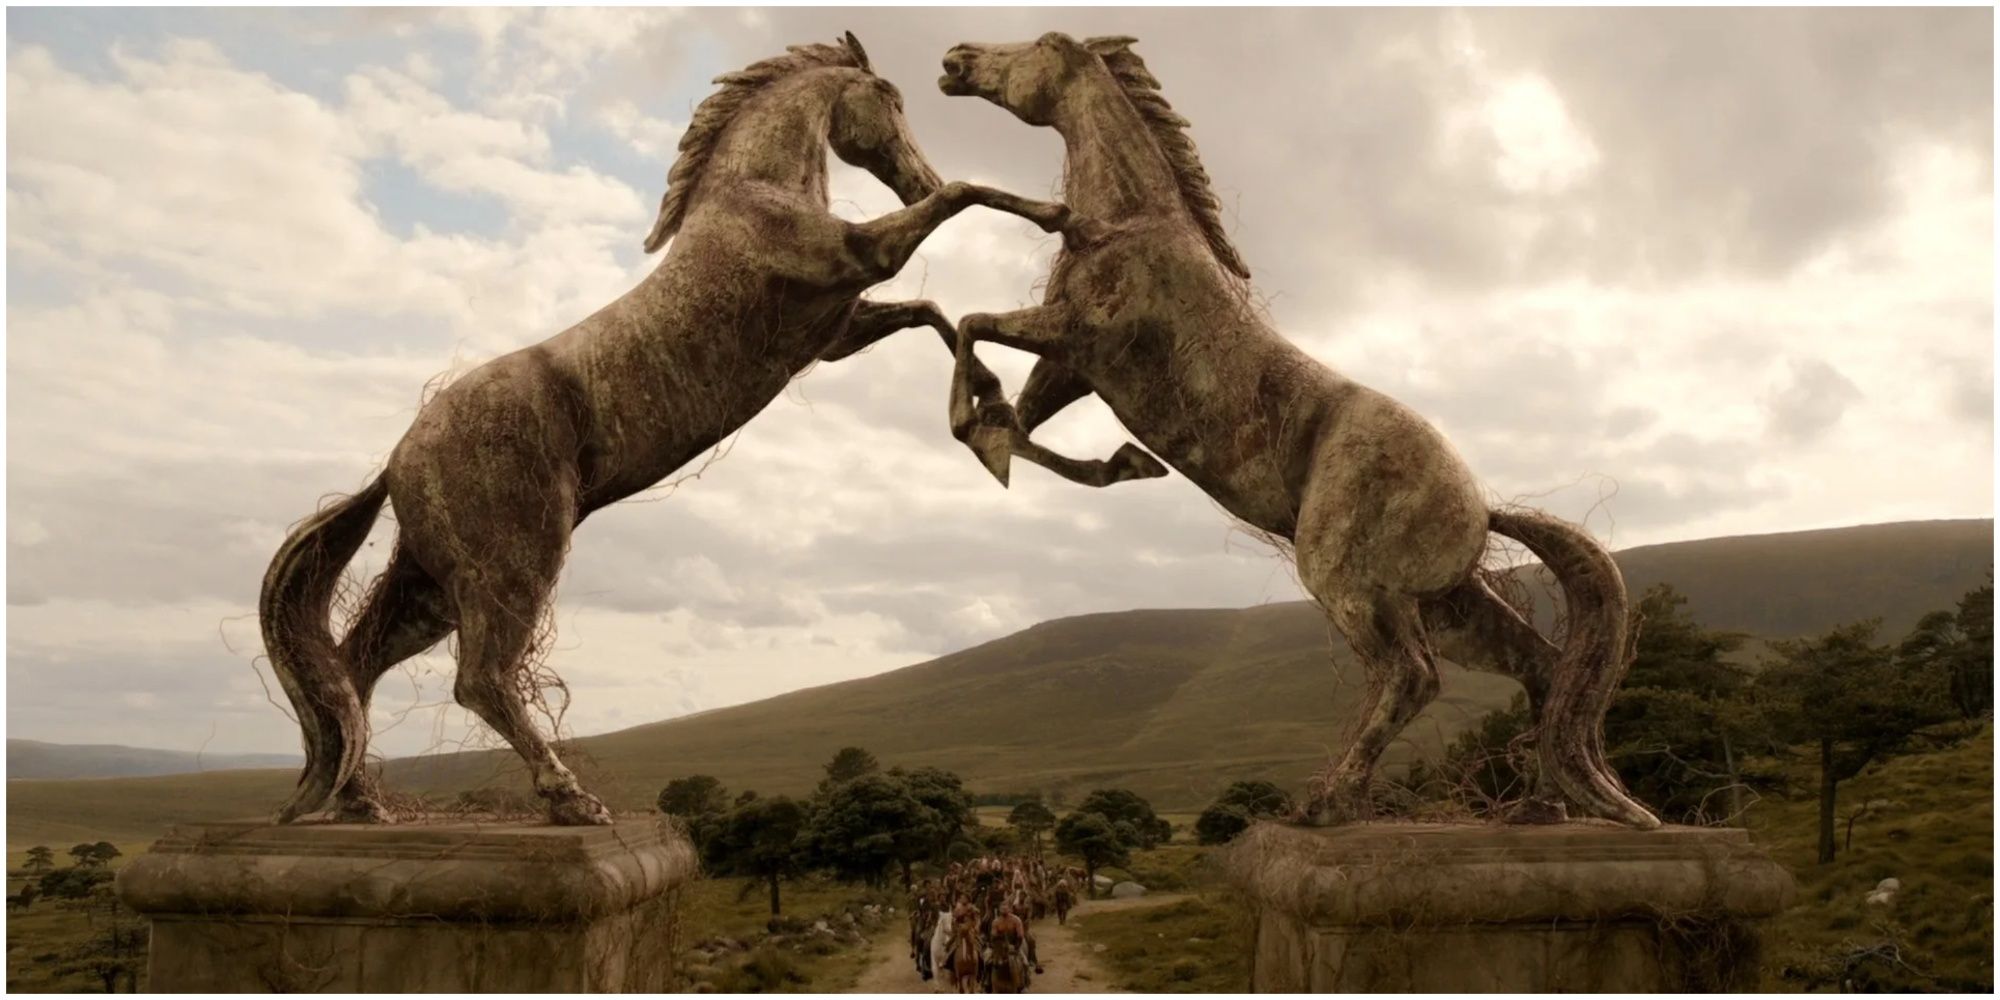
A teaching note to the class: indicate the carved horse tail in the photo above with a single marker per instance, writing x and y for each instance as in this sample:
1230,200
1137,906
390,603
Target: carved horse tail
293,609
1593,660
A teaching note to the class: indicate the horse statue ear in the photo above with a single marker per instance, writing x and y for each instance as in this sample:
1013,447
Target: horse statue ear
860,54
1107,45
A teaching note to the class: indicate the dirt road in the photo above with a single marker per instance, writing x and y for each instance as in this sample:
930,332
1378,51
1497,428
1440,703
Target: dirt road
1067,963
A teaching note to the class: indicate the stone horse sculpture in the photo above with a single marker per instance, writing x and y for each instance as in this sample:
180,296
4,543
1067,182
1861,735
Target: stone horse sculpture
1147,307
761,282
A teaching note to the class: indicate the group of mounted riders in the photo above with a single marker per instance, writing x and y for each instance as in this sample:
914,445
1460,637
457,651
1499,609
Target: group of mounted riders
971,927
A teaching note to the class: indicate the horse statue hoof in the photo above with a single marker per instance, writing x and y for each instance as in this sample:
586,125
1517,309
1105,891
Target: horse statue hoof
578,809
994,446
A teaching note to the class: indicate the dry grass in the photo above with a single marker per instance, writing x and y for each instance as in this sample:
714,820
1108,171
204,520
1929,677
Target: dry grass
720,907
1200,944
1938,840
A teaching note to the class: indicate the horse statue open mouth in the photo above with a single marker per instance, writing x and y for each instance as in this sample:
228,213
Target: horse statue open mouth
1147,307
761,281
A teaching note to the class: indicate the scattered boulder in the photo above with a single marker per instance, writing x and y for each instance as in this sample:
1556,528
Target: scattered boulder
1885,891
820,927
1127,890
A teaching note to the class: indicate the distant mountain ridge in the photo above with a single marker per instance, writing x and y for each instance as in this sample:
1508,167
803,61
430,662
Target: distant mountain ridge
40,760
1170,703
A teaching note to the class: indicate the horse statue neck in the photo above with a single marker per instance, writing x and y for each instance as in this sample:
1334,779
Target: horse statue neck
1113,168
779,138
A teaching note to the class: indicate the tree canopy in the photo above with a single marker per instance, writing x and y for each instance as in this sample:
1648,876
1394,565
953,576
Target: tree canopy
868,823
1146,830
701,804
1095,840
1239,805
1852,699
1031,819
762,838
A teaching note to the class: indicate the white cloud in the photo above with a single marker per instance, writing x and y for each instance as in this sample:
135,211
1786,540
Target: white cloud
1541,149
654,137
228,317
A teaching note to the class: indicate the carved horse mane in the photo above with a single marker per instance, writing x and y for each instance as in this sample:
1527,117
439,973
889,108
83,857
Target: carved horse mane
1169,131
713,116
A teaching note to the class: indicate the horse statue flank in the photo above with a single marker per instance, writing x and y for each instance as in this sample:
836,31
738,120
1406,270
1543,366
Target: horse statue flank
1147,307
760,282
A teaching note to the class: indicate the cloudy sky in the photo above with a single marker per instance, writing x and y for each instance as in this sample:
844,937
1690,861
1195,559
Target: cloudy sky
1686,273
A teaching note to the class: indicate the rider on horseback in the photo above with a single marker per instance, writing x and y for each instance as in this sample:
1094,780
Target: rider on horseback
1007,940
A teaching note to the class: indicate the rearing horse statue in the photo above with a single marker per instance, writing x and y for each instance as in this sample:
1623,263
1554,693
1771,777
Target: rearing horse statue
1148,308
761,281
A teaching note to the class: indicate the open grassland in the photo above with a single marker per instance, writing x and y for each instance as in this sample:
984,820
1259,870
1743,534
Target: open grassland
1199,944
41,938
739,910
1936,838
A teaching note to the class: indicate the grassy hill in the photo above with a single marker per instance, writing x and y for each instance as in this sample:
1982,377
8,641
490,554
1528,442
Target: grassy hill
36,759
1936,838
1172,704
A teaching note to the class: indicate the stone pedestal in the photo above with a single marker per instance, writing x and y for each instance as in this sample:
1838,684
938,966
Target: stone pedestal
425,907
1391,908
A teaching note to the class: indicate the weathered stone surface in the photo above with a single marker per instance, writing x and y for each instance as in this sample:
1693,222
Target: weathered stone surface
1127,890
424,907
1149,307
1572,907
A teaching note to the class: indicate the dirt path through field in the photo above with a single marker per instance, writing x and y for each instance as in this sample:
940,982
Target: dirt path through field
1067,963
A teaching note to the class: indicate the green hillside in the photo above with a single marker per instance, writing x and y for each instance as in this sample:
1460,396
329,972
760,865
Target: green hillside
1936,838
1172,704
36,759
1797,583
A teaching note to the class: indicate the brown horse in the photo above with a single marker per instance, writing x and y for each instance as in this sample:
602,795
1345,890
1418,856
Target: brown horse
965,967
1008,967
496,472
1065,901
1149,308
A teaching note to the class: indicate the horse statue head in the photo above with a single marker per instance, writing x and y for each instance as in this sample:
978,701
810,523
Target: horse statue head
1058,82
770,120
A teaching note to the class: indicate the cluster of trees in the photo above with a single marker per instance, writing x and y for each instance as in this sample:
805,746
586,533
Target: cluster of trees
1238,806
114,950
89,871
1106,827
1692,730
861,823
864,823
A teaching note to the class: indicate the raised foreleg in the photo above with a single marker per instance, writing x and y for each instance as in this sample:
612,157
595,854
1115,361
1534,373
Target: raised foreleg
991,428
880,247
873,321
1049,388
